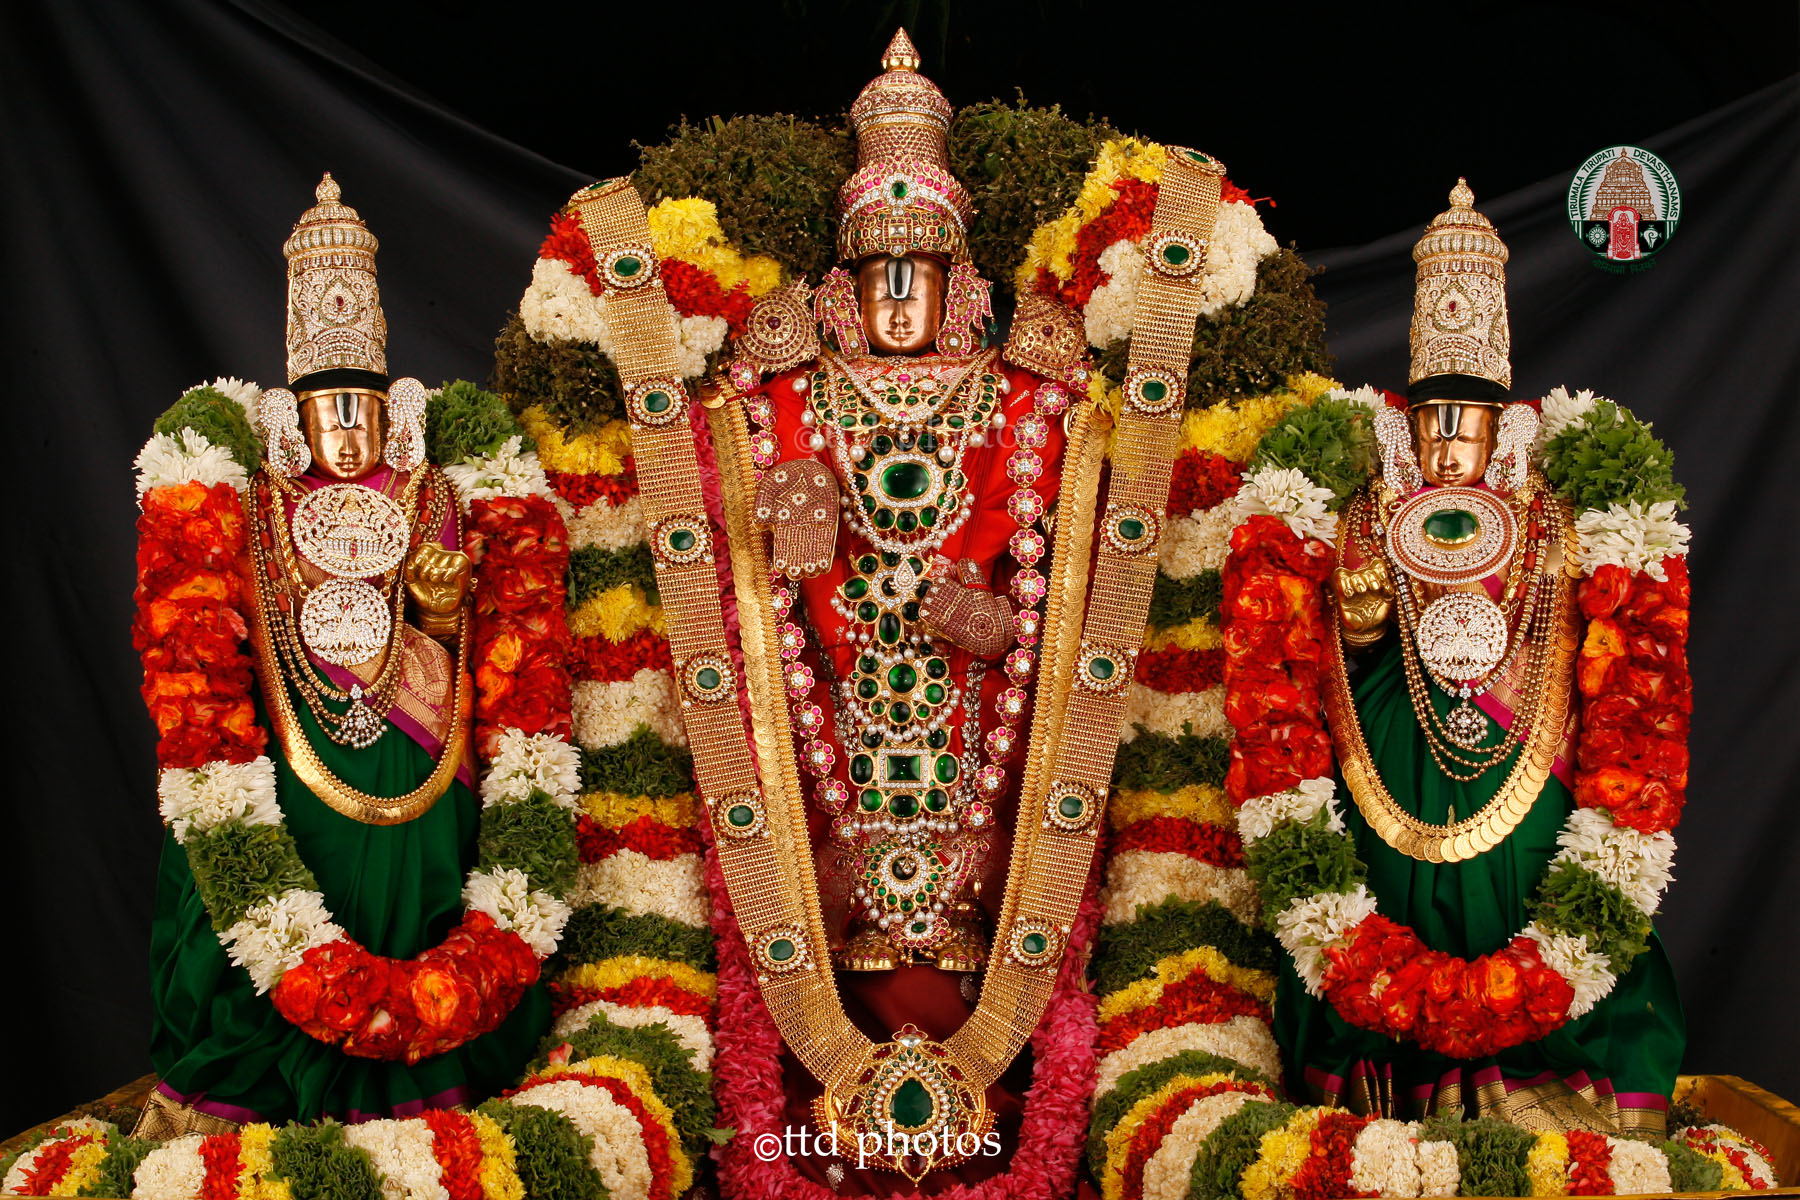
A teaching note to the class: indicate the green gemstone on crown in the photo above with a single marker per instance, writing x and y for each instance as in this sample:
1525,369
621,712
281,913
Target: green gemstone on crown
741,816
856,588
657,401
903,805
1034,943
871,800
708,679
904,768
782,949
898,189
911,1106
1452,526
934,693
862,769
1197,156
945,768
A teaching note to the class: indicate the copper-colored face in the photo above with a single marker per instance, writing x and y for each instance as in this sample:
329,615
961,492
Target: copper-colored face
902,303
1453,442
343,427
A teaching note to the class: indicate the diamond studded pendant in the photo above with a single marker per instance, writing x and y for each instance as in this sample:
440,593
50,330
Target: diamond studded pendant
1465,726
910,1107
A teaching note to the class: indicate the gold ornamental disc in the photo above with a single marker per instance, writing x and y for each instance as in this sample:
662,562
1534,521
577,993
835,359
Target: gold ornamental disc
350,531
345,622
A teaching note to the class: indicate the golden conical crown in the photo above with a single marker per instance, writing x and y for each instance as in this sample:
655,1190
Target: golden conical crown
334,314
1459,322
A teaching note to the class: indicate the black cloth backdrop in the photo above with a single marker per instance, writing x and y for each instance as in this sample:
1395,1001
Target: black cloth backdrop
156,157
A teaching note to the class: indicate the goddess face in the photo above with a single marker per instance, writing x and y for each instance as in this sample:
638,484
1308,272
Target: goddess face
343,427
1453,442
902,302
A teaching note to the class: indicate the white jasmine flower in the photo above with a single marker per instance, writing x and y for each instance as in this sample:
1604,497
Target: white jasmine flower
560,306
1440,1170
1196,543
506,895
1173,713
1112,306
274,935
186,457
1259,816
172,1171
1632,536
1287,493
1638,1168
1239,243
247,394
1568,955
633,882
402,1154
1366,396
604,524
507,472
1638,864
198,798
1559,410
1139,877
1242,1039
619,1154
700,336
689,1030
606,714
1385,1160
1310,923
524,762
1167,1174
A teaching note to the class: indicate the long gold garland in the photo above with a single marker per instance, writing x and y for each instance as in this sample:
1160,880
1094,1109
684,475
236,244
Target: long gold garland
1094,635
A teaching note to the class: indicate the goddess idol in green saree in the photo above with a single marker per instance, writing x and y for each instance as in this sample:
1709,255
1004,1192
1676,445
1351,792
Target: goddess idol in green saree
1485,947
316,949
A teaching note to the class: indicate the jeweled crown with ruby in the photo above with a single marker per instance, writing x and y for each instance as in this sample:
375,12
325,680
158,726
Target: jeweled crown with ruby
1459,322
902,198
334,316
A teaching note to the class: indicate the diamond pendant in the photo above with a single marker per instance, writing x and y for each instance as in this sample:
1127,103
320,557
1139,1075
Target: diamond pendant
360,727
1465,725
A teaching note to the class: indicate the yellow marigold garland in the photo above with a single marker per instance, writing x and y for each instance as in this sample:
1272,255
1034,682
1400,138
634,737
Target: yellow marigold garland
256,1163
1202,802
613,809
1282,1152
1547,1165
617,972
84,1168
1147,992
689,230
602,452
1053,242
499,1160
1202,633
616,614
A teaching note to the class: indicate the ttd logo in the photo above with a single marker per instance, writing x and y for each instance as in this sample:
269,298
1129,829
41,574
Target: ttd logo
1624,206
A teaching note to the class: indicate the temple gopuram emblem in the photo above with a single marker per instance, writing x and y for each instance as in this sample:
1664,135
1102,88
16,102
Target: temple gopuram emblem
1624,205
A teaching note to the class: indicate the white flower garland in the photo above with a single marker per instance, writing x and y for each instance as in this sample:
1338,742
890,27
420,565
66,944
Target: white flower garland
186,457
199,798
606,714
524,763
506,895
1385,1159
1632,536
275,934
560,306
1167,1174
1243,1039
1589,974
689,1030
1638,864
1196,543
1140,877
1638,1169
605,525
638,884
401,1152
1259,816
1311,923
1239,243
510,471
1175,713
1558,410
172,1171
1440,1169
1286,492
619,1153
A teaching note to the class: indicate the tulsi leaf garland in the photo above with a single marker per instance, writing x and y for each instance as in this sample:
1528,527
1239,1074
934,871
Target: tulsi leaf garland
1591,912
217,788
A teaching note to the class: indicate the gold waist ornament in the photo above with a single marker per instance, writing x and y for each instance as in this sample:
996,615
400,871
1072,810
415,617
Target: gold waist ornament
933,1092
1557,643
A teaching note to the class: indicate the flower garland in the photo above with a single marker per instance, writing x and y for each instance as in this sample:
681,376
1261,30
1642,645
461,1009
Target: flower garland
1592,909
217,788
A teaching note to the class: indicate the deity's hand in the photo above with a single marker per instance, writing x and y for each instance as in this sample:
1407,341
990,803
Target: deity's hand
438,579
1365,598
797,501
978,621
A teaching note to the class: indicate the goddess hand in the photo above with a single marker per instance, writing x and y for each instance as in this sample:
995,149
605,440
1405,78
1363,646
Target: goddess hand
978,621
438,579
1365,599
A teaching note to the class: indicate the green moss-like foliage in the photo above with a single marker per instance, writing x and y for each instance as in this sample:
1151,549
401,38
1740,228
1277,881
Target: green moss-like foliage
1023,166
237,865
575,385
319,1164
1490,1154
1164,764
599,932
1300,859
1233,1146
462,421
1126,953
1330,440
1178,601
552,1154
774,180
219,419
123,1154
533,835
1251,350
1691,1171
1571,899
1144,1081
641,765
686,1091
1609,458
593,570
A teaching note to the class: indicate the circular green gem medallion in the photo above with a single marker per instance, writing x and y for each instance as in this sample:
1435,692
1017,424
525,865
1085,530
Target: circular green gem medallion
657,401
708,679
905,480
742,816
782,949
1034,943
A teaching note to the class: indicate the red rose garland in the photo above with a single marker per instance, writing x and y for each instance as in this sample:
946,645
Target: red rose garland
521,641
